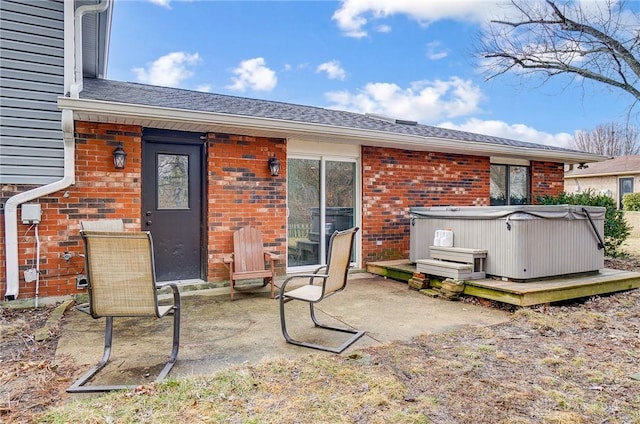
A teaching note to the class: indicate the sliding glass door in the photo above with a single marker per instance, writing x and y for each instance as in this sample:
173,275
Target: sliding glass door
321,200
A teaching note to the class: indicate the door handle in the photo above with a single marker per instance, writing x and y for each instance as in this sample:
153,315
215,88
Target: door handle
148,223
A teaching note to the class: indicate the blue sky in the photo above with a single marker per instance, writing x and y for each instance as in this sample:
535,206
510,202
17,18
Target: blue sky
408,59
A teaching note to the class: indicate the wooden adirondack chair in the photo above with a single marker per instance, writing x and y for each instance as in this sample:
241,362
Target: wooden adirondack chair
249,258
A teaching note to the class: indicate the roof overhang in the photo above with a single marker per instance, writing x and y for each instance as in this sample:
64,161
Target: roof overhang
604,174
199,121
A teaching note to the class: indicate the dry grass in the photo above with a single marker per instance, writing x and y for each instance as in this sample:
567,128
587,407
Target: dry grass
572,363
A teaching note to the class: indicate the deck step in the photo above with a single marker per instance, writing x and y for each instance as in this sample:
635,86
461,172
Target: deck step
457,254
446,269
475,257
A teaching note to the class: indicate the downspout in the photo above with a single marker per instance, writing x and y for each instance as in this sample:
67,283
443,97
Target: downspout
71,74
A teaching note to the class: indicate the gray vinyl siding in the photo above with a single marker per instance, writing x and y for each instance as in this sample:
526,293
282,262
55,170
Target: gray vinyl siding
31,79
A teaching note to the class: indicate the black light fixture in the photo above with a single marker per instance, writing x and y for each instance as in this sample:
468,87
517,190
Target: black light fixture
119,157
274,166
582,166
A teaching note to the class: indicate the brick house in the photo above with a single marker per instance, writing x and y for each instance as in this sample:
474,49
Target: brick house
197,168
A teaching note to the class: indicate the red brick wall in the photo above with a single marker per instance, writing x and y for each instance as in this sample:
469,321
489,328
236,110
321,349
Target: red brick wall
242,192
393,181
100,192
240,188
547,178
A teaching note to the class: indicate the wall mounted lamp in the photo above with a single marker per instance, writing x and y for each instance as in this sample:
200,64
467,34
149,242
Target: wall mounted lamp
274,166
582,166
119,157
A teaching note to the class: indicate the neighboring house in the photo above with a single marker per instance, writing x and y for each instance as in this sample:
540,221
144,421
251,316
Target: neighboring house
197,164
615,177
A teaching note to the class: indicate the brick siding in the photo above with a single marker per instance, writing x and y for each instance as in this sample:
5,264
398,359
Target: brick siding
242,192
393,181
547,179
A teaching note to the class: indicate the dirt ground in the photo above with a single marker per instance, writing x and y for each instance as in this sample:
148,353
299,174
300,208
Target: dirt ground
556,358
32,378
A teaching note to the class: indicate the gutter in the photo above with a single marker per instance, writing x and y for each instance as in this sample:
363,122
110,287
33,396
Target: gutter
72,69
606,174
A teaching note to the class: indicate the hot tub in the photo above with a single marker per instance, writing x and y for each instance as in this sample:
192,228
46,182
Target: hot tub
522,242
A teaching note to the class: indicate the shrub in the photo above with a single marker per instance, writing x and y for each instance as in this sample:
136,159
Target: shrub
631,202
616,229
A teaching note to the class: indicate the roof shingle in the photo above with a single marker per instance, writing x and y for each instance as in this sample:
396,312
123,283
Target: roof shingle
175,98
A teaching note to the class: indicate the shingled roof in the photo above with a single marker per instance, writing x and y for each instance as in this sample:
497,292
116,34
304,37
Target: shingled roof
622,165
309,120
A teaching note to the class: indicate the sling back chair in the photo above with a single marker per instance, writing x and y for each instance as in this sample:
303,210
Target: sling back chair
248,259
321,286
121,283
116,225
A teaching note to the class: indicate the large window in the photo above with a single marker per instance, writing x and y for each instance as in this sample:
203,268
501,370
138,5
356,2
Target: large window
321,200
510,185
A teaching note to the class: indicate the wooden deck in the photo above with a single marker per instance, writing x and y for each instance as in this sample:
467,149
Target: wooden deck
529,293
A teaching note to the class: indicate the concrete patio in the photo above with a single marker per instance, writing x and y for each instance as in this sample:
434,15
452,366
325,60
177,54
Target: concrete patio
217,333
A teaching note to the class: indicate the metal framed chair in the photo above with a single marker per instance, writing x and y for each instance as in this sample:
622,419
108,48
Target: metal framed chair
322,285
121,283
249,258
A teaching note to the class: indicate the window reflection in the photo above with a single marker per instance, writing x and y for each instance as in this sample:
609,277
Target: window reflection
173,181
509,185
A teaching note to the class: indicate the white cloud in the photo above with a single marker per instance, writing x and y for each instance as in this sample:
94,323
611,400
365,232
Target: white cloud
332,69
169,70
435,51
513,131
255,75
163,3
423,101
204,88
353,15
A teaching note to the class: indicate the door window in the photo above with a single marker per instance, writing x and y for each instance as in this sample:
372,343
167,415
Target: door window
173,181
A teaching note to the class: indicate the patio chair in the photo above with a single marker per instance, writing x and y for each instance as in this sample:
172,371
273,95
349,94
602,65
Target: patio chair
321,286
103,225
121,283
248,259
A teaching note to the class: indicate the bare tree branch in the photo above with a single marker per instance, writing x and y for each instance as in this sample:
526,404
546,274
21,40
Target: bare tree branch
554,37
610,139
